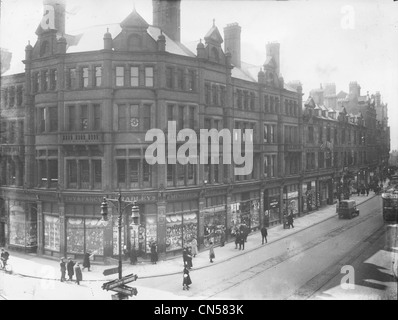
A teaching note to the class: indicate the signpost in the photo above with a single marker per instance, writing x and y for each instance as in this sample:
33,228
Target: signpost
119,285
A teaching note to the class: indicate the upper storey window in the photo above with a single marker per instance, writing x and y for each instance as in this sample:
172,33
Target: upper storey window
84,77
119,76
134,76
97,76
149,77
71,78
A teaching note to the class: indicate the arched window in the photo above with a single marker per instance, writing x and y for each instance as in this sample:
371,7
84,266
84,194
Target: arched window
44,48
134,42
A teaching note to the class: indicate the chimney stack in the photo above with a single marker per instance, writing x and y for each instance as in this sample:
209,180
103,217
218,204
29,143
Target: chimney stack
54,15
166,16
273,49
232,42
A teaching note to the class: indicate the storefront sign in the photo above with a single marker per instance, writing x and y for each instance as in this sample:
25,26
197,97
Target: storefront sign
181,195
291,195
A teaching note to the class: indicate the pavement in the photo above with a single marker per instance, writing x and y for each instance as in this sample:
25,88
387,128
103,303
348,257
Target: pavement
37,267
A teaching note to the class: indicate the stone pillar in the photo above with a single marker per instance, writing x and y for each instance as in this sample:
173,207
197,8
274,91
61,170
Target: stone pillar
261,213
300,197
228,213
202,205
40,228
161,228
62,228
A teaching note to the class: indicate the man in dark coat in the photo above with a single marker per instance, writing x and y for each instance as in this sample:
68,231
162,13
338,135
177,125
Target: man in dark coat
241,241
62,265
222,237
290,219
189,258
237,238
264,234
154,253
86,261
184,255
186,282
69,267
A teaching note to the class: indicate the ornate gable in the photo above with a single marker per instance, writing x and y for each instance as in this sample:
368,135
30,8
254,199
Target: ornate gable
213,41
134,35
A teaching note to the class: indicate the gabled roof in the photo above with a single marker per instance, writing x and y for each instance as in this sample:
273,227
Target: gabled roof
342,95
310,102
213,35
134,20
92,40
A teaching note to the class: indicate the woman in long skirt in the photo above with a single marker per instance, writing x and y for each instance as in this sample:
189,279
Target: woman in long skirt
186,282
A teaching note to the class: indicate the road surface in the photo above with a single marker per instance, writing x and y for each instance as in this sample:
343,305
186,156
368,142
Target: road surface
310,264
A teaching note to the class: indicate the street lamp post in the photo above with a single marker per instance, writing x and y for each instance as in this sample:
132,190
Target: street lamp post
118,203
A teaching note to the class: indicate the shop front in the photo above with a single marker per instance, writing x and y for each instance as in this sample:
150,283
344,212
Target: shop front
140,236
271,206
22,226
245,209
325,191
181,224
310,197
290,202
215,221
84,235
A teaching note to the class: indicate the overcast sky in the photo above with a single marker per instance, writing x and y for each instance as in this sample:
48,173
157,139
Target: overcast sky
321,41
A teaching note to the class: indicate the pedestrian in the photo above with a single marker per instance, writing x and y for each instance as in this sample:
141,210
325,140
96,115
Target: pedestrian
237,237
222,237
264,234
194,247
184,255
125,253
86,261
186,282
211,252
78,273
62,265
367,191
69,267
4,258
246,231
290,219
358,191
154,253
241,241
189,258
133,256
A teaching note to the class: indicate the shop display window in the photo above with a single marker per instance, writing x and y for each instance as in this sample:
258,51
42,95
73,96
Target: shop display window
52,233
94,237
75,236
174,232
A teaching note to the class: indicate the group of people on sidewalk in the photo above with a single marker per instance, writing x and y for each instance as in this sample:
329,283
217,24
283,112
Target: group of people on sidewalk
74,268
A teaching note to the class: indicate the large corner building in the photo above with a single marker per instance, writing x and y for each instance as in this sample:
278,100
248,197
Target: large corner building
73,128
